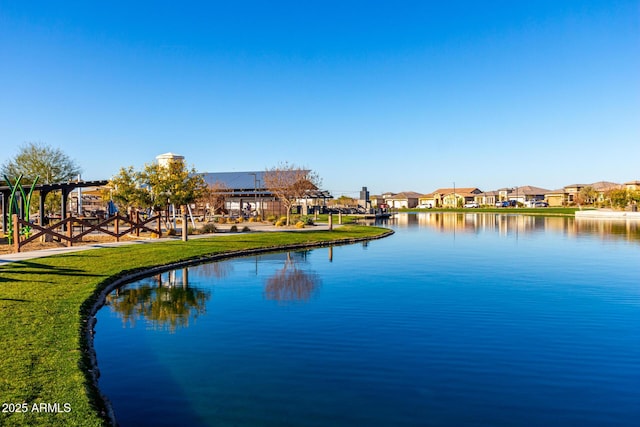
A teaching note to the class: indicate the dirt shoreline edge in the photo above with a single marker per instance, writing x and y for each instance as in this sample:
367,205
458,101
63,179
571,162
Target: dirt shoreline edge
94,303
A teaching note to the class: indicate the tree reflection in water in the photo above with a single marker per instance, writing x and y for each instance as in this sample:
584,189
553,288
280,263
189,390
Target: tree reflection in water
164,301
291,284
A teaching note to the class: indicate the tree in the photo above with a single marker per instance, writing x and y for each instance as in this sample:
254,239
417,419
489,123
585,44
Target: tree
289,183
173,184
125,189
36,159
215,196
51,165
618,198
345,201
587,195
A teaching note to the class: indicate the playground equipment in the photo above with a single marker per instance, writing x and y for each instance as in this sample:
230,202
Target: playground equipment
19,205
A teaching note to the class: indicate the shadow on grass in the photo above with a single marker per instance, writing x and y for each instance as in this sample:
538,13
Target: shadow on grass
17,271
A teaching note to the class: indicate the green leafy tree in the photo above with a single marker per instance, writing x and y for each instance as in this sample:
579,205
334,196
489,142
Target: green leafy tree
618,198
587,195
173,184
52,165
36,159
345,201
125,189
633,196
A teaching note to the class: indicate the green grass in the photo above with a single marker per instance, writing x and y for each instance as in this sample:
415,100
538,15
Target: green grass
45,303
522,211
346,219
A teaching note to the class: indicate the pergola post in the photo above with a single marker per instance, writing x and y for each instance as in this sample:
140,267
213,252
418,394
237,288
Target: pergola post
184,223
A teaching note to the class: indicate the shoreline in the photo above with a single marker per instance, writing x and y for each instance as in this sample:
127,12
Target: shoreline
35,293
89,321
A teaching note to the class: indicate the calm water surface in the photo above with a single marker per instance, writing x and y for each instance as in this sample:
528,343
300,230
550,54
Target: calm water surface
456,320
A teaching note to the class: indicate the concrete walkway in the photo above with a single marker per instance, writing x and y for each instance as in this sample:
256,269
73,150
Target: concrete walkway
608,214
255,228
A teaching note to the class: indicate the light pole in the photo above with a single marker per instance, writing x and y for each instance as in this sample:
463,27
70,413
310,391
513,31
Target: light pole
455,198
255,190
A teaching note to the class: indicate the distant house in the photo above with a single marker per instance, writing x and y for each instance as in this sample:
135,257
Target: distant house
406,199
376,201
487,198
527,194
632,185
569,194
555,198
450,197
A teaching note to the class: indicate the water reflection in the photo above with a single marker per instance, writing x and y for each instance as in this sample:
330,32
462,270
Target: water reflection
218,270
291,283
510,224
164,301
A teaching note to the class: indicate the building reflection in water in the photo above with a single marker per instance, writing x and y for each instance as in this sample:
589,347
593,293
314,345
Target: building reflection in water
164,301
291,283
514,224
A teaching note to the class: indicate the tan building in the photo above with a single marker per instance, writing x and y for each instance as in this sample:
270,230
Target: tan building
527,194
450,197
488,198
570,193
406,199
632,185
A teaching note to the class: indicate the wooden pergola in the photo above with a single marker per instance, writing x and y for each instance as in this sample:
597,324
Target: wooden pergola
64,187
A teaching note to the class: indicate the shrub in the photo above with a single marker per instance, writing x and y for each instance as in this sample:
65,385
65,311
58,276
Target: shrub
300,224
308,220
222,220
208,228
233,229
280,223
192,230
271,218
171,232
239,220
245,229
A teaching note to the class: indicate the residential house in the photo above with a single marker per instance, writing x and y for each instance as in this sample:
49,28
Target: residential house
632,185
406,199
527,194
503,194
570,193
450,197
427,200
555,198
487,198
376,201
603,187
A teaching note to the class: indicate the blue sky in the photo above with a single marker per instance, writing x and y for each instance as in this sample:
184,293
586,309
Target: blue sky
402,95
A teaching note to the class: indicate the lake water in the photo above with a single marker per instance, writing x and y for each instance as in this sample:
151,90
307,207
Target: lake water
455,320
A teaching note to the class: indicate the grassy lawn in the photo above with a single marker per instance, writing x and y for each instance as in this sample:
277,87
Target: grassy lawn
346,219
44,305
523,211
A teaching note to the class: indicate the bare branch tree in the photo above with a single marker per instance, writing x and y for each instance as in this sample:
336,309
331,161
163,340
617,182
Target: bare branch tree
215,196
289,183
